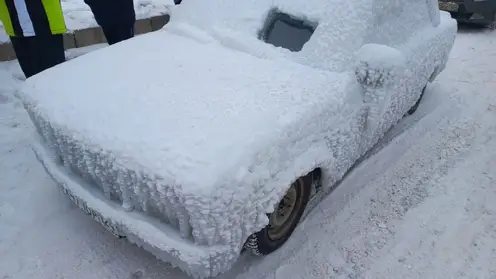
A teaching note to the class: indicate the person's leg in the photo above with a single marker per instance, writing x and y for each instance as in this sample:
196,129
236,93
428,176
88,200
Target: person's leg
49,51
25,53
117,24
118,33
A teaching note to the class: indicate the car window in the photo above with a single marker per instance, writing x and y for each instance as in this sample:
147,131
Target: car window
282,30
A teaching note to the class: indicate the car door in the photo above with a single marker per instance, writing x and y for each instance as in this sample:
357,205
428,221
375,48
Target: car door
384,62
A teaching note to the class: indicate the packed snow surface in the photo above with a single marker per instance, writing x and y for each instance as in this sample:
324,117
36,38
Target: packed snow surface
211,155
420,207
78,15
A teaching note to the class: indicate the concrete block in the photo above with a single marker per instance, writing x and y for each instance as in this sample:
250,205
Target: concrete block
142,26
90,36
69,41
158,22
7,52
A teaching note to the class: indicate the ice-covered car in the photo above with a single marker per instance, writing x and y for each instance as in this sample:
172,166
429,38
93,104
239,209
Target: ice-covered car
222,130
481,12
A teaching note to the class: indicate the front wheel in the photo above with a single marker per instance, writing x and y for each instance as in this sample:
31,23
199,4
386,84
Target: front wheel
285,218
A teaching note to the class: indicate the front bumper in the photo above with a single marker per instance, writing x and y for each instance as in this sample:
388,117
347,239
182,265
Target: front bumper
157,238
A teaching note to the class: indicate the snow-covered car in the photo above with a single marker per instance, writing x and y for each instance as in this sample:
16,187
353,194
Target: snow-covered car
220,132
481,12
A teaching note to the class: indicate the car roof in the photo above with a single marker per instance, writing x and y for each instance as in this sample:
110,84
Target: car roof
342,27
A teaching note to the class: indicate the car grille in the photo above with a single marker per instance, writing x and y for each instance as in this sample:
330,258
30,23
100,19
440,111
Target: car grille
133,190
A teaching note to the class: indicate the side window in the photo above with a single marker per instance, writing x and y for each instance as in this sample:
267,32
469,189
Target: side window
283,30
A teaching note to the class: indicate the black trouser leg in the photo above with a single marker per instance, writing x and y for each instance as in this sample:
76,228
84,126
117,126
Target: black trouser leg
116,34
50,51
38,53
25,55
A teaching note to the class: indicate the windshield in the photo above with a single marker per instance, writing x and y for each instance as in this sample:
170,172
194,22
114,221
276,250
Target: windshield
282,30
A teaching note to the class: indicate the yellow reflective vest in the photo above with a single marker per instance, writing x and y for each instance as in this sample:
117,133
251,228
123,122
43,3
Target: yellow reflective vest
26,18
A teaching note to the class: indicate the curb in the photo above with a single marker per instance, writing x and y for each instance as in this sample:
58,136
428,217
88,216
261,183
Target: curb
92,36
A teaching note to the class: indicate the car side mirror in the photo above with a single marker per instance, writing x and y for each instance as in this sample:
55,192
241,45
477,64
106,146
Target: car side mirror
377,65
378,70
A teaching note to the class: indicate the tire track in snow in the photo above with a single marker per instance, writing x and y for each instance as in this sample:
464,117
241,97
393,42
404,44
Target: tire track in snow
455,235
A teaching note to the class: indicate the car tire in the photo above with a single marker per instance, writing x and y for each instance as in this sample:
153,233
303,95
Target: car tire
414,108
283,221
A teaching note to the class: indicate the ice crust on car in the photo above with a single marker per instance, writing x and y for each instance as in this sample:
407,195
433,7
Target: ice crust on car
217,124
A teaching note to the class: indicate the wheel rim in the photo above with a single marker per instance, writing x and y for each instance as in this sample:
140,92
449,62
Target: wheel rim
281,219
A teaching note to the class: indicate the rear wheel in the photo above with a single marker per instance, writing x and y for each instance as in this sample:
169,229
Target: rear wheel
285,218
413,109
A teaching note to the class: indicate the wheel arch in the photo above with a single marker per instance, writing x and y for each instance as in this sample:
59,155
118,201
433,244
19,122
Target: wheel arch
437,70
253,241
306,175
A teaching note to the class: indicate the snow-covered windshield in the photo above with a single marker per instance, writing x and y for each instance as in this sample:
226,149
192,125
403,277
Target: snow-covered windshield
341,27
337,35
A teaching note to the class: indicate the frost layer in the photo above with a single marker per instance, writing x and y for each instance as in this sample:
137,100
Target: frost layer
207,138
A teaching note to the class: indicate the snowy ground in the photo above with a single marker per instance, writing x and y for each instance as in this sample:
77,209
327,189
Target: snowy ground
79,16
420,206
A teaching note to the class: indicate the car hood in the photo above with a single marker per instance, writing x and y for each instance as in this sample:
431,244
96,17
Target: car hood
175,106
